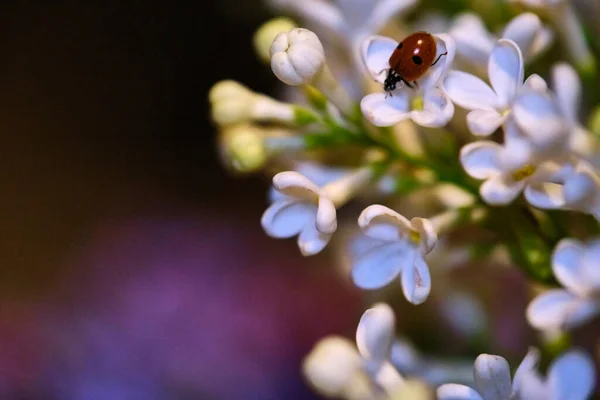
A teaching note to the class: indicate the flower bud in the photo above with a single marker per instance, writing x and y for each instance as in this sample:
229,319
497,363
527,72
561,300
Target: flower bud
297,56
332,366
246,148
242,147
264,36
233,103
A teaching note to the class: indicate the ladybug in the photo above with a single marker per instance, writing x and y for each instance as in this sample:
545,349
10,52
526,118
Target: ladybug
411,60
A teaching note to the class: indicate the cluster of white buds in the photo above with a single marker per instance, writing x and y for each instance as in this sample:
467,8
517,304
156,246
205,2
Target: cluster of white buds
497,152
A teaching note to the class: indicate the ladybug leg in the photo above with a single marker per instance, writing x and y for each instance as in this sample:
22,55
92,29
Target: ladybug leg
438,58
416,84
407,83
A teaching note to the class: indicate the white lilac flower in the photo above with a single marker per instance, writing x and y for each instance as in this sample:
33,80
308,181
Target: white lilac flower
474,43
298,58
309,211
570,376
575,266
561,112
491,106
336,369
573,187
397,248
509,169
348,20
319,174
581,190
426,104
566,22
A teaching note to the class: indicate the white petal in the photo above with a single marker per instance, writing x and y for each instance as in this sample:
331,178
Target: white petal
500,190
484,122
572,376
291,183
536,82
591,271
384,11
558,309
547,196
538,115
437,110
453,391
323,14
505,70
389,379
517,150
580,188
383,223
444,44
492,377
416,280
479,159
473,41
526,368
379,266
568,268
382,109
320,174
567,87
375,333
286,218
405,357
360,244
541,43
427,232
311,241
470,92
326,216
376,52
523,30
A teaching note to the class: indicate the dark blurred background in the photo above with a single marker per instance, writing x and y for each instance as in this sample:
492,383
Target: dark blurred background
131,265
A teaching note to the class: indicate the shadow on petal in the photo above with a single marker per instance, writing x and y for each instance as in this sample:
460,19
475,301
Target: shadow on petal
382,109
286,218
376,52
437,110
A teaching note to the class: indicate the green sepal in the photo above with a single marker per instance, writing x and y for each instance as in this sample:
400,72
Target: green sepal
303,116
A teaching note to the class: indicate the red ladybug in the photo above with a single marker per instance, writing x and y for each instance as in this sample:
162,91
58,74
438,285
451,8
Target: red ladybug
411,60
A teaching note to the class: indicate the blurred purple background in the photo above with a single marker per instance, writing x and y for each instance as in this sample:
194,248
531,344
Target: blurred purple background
131,266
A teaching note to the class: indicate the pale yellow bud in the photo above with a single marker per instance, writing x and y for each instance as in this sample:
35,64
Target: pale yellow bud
264,36
333,366
242,147
231,102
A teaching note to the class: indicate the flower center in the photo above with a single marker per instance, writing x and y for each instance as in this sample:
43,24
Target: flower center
524,172
418,103
414,237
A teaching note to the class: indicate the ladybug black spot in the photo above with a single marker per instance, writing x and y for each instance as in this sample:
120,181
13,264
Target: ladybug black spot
417,60
399,46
